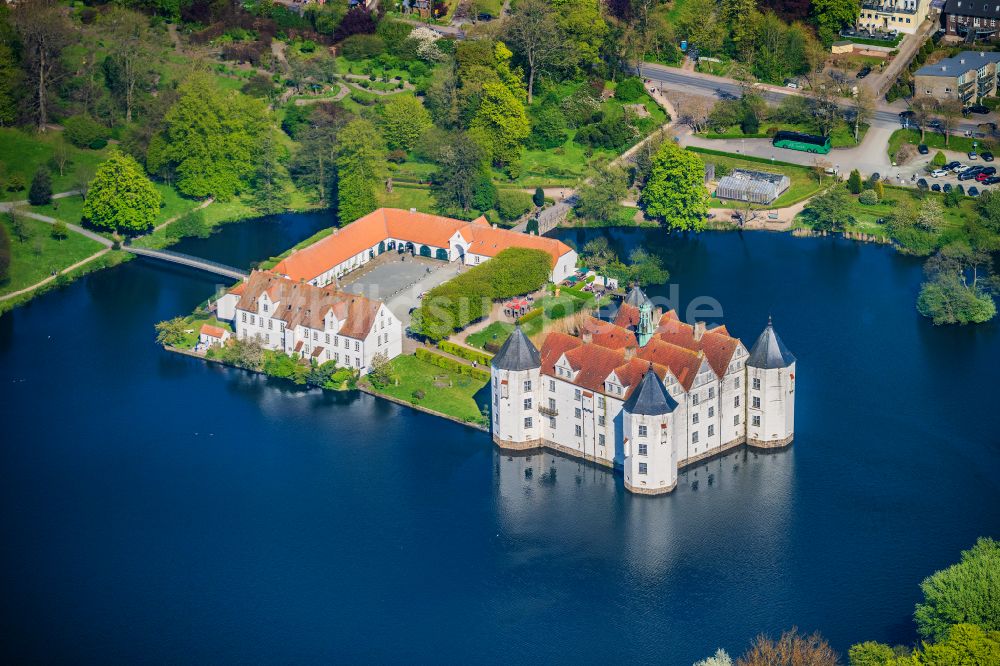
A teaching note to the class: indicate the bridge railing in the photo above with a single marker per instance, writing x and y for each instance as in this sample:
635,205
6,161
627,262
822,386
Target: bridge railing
187,259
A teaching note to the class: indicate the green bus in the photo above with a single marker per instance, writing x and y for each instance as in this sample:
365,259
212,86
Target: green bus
809,143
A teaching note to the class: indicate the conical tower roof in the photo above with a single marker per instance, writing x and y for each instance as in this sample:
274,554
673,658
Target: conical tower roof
636,297
517,353
650,397
769,351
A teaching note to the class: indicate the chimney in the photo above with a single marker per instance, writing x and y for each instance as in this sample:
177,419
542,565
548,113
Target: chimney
494,226
413,210
629,353
588,337
699,330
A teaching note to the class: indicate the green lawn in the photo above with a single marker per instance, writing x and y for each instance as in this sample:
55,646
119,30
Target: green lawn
568,302
935,140
36,258
407,197
443,391
495,333
803,183
22,152
70,209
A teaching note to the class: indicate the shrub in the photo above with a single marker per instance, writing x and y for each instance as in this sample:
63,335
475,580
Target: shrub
40,193
82,131
868,198
360,47
398,156
539,197
59,230
191,224
629,90
749,124
548,127
464,352
854,182
15,183
939,160
451,364
528,316
512,204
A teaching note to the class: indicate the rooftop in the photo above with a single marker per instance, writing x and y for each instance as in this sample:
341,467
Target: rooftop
961,63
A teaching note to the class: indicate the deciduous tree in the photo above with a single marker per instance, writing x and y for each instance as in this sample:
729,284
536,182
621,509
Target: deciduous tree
44,31
403,119
598,199
360,169
675,191
501,124
534,32
121,197
270,183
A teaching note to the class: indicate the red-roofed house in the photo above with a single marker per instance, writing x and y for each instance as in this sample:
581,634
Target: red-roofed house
213,336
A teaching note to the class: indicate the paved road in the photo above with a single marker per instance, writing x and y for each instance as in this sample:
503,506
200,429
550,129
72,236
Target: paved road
706,85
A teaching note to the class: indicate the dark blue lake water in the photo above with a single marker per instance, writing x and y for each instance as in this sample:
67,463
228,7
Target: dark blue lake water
155,508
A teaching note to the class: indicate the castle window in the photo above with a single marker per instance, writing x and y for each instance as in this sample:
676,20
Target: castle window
711,430
694,437
579,431
527,403
244,317
711,392
265,307
642,468
600,401
643,449
736,420
736,401
711,412
270,324
527,422
642,431
600,420
357,346
577,413
756,421
552,422
756,402
694,418
694,399
527,385
600,440
326,336
756,383
576,394
552,403
552,385
737,382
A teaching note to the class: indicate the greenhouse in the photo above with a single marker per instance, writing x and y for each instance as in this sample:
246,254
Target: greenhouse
756,187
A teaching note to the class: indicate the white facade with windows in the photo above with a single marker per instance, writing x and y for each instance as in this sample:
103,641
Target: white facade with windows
627,408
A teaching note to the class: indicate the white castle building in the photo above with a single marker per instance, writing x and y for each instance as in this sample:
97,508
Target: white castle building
648,394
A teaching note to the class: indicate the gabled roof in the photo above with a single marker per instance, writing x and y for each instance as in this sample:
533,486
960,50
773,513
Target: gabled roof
650,397
517,353
214,331
974,8
716,343
769,351
627,316
302,304
609,335
684,363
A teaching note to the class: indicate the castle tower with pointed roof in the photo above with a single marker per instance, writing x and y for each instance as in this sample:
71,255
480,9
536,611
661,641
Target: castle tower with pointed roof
650,465
771,404
515,374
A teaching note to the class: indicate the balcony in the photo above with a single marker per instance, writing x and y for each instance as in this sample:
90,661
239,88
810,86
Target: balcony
890,7
548,411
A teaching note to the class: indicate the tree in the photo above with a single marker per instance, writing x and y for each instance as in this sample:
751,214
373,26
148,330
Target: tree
830,211
854,182
792,649
360,169
61,158
939,160
964,644
583,29
59,231
646,268
534,32
40,192
966,592
270,193
720,658
538,198
923,108
461,168
871,653
44,32
501,124
675,191
950,112
380,370
403,120
598,199
863,106
211,140
128,32
313,166
170,333
121,197
11,79
830,16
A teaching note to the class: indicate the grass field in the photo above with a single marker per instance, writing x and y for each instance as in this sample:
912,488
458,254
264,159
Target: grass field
36,258
961,144
406,197
23,152
443,391
803,182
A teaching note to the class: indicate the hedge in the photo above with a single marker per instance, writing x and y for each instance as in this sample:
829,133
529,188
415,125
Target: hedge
748,158
451,364
533,314
464,352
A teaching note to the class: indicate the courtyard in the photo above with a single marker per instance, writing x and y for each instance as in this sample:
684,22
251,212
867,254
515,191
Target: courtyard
398,280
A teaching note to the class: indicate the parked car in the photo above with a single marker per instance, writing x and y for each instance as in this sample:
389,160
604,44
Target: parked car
865,71
973,191
951,165
923,149
992,180
989,171
874,177
979,108
906,114
986,155
922,184
960,189
937,173
946,187
935,188
959,168
980,177
973,155
935,123
968,174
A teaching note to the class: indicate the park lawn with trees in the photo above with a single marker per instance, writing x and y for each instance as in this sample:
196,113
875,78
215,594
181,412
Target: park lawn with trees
803,180
962,144
423,384
23,151
36,252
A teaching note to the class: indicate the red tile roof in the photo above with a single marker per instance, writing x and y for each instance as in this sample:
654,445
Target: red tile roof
609,335
417,228
627,315
214,331
717,344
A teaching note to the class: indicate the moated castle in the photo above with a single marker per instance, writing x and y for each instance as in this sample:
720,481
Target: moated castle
646,393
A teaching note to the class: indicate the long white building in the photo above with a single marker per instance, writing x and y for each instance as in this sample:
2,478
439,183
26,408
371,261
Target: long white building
648,394
314,323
